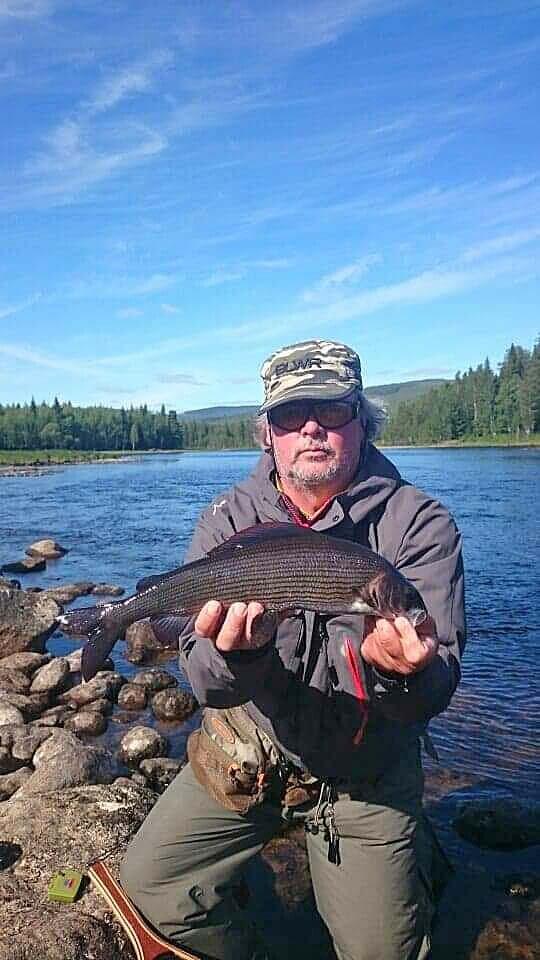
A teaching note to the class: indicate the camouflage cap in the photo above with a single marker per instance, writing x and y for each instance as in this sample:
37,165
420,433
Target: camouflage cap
309,370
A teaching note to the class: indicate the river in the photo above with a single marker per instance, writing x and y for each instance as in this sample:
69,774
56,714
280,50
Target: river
124,520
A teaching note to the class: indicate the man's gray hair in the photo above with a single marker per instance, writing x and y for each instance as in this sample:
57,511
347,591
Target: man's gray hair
373,416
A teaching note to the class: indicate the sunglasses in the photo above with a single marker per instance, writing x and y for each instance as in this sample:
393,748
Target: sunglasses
330,414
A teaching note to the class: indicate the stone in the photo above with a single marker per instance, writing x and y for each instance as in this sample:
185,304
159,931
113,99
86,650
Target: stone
26,743
14,680
51,677
10,584
155,679
63,761
26,662
104,684
88,722
11,782
499,824
47,548
173,705
6,761
81,824
26,620
26,565
107,590
132,696
160,771
141,642
101,705
141,742
9,714
68,592
74,660
31,707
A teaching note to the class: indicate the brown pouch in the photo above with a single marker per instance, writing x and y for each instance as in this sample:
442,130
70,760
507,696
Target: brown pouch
235,760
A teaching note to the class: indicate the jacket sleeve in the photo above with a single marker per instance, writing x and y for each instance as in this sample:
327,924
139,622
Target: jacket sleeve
430,556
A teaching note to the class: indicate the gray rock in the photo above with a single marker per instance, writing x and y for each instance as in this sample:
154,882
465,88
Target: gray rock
63,761
31,706
132,696
6,761
499,824
160,771
26,620
142,742
26,743
155,679
104,684
74,660
9,714
88,722
70,828
24,662
51,677
141,642
173,705
14,680
101,705
47,548
11,782
10,584
68,592
26,565
107,590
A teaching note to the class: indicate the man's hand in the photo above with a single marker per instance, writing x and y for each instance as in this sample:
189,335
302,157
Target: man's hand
394,646
232,631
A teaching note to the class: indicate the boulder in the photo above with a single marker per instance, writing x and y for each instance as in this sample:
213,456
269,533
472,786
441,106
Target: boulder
101,705
160,771
11,782
51,677
68,592
10,584
155,679
173,705
107,590
132,696
49,549
105,684
69,828
26,662
142,742
31,707
14,680
88,722
141,642
9,714
26,565
26,620
499,824
63,761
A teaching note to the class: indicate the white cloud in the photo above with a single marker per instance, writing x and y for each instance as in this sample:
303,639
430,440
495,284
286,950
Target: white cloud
137,78
223,276
501,244
26,9
348,274
170,308
18,307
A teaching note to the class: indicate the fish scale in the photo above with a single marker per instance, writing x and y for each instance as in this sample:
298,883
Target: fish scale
283,566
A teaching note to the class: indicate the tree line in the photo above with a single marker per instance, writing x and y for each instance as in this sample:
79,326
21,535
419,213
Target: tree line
478,404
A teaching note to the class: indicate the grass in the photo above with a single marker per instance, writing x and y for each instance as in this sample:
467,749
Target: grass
41,458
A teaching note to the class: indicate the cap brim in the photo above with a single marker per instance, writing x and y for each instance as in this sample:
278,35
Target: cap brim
313,391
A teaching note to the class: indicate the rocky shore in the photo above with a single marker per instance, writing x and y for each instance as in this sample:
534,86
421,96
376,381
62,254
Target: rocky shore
81,766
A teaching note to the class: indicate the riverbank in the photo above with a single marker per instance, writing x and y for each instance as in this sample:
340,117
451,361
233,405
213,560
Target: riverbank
13,462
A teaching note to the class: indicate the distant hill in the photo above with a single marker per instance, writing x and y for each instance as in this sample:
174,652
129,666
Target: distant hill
389,394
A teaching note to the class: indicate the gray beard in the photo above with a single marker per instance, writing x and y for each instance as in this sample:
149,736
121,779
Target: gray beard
304,479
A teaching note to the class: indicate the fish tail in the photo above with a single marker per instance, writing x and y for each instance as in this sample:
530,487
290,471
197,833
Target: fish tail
96,649
80,622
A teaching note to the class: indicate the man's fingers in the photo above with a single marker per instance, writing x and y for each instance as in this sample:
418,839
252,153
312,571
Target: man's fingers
417,649
232,633
209,620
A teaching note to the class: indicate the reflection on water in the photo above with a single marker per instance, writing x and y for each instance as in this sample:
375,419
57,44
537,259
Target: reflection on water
123,521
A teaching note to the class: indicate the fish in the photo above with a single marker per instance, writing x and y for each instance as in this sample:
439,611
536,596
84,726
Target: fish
283,566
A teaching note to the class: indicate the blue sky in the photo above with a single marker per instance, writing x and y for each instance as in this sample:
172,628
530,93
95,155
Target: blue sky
185,187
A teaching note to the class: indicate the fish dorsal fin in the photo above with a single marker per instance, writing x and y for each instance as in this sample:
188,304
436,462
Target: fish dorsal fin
260,533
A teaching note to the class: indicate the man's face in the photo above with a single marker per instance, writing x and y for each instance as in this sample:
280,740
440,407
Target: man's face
315,456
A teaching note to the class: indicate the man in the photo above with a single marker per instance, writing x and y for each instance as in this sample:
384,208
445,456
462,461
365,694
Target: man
344,699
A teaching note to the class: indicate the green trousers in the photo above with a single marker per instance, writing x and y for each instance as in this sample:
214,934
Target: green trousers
184,866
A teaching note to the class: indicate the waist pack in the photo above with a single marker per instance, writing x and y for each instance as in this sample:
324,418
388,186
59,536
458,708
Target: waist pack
240,766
